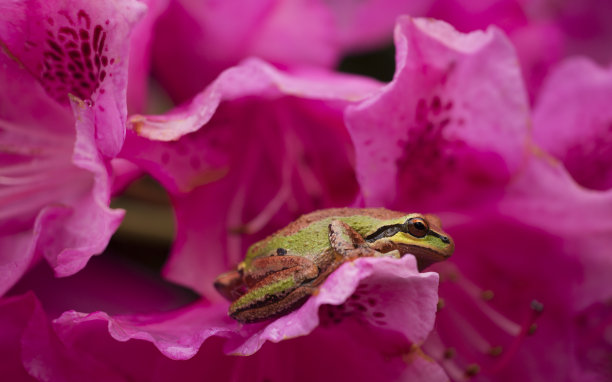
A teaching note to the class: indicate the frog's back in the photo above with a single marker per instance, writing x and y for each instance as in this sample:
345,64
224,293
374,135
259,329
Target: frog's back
308,235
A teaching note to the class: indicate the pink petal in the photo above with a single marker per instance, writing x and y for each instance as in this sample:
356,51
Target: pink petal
386,285
140,56
55,189
323,356
367,24
196,41
384,293
455,107
247,182
528,247
15,314
252,78
594,333
545,197
178,334
124,172
31,350
86,229
78,48
573,121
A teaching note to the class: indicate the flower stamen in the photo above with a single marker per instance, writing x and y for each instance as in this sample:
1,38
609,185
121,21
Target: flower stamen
475,339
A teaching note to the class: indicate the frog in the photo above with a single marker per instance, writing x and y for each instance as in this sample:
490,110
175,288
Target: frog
280,272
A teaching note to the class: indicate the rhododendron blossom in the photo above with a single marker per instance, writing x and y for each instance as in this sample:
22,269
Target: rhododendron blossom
196,40
542,31
247,155
455,123
517,168
70,61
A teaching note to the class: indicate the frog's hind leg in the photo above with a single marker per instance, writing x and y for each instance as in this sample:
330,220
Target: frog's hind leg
266,267
277,294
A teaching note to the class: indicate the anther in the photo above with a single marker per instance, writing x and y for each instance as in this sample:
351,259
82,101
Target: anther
537,306
495,351
488,295
440,304
472,370
449,353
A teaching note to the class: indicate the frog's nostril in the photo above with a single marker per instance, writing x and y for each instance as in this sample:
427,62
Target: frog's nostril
445,239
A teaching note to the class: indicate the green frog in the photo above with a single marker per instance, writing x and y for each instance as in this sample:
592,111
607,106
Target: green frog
282,271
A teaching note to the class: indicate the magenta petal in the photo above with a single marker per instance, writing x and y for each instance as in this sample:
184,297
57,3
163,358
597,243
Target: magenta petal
391,294
251,78
573,121
392,315
31,350
545,197
249,154
54,192
140,56
86,229
15,315
78,48
364,24
527,249
196,41
178,334
456,107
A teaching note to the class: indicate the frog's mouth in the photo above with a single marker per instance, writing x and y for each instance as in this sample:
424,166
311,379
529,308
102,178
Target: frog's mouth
425,256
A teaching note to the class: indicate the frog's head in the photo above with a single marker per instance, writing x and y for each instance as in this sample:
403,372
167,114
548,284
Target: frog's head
420,235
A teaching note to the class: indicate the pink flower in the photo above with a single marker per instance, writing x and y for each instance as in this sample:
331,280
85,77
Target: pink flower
453,138
62,116
250,153
269,162
196,40
78,346
542,31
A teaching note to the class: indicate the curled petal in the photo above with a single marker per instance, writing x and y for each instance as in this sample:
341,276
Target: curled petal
382,292
388,296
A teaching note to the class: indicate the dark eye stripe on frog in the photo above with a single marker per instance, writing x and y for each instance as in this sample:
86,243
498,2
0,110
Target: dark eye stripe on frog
390,230
384,231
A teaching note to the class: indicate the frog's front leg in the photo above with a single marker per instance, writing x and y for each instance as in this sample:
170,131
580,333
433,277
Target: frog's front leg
350,244
275,287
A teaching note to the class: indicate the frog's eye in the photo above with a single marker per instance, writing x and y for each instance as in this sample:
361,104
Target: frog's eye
417,227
